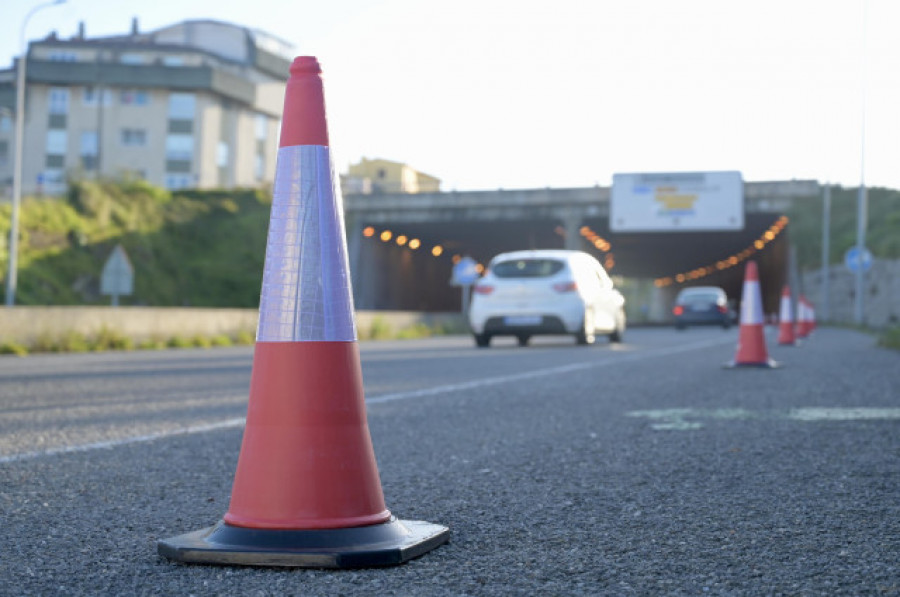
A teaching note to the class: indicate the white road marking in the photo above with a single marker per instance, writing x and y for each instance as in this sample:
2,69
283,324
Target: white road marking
425,392
685,419
227,424
501,379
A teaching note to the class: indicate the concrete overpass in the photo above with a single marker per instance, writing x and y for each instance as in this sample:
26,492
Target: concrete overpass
389,275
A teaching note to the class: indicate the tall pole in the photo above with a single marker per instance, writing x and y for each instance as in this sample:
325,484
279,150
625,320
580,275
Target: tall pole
12,274
862,198
826,253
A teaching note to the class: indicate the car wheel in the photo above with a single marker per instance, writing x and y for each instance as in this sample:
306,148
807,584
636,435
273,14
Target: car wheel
585,335
617,334
482,340
523,340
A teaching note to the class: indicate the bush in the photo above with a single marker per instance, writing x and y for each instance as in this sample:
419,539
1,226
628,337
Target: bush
73,341
179,342
245,338
221,340
419,330
152,344
10,347
379,329
107,339
201,341
890,338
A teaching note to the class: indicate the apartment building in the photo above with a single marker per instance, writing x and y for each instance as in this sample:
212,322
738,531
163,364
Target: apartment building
373,176
193,105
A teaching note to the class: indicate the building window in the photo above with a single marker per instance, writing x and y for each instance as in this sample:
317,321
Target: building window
181,106
88,149
179,147
222,154
90,94
131,58
178,181
63,57
173,61
5,123
262,127
260,167
134,137
59,100
56,142
51,180
134,97
4,153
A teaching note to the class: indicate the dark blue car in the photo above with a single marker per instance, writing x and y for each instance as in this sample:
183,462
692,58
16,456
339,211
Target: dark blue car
702,305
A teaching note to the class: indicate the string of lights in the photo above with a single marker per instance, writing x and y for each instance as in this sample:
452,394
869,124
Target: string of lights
601,244
413,244
758,245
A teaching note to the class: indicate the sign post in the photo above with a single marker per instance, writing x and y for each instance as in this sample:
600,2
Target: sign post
465,273
117,278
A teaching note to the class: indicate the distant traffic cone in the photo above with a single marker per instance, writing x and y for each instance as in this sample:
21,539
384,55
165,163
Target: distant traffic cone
306,491
804,327
751,348
786,336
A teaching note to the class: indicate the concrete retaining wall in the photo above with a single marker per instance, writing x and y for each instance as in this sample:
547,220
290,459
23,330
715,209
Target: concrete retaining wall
881,301
24,325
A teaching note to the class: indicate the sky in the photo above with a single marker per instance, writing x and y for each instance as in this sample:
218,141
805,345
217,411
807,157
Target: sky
488,94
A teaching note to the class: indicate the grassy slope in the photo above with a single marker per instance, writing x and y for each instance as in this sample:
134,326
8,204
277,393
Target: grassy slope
882,236
197,249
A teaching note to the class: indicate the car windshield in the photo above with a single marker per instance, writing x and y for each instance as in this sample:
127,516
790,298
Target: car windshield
527,268
695,298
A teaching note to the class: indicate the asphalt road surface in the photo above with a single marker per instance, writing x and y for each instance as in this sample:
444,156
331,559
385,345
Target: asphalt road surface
635,469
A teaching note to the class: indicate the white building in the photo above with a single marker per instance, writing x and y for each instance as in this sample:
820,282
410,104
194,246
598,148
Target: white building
193,105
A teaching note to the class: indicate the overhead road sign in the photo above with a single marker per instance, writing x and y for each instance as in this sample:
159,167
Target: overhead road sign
677,201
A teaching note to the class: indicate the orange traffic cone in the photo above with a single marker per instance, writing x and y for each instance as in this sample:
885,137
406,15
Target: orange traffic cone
804,327
751,348
306,491
786,335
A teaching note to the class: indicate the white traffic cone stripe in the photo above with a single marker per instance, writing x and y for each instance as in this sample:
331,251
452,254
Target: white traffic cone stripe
751,306
785,314
306,293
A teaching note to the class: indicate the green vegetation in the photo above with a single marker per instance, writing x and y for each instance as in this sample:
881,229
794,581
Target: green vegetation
107,339
882,235
188,249
890,338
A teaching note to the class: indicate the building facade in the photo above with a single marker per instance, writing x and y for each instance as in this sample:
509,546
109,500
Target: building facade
193,105
379,176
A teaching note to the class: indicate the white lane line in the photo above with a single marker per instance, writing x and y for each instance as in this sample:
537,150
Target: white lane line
227,424
492,381
446,389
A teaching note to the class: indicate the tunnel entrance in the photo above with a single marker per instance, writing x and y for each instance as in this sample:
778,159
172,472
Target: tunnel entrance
407,265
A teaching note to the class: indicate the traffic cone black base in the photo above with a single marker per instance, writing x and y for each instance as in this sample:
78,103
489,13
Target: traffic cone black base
767,364
386,544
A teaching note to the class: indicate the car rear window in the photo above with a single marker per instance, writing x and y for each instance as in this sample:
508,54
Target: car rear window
698,297
527,268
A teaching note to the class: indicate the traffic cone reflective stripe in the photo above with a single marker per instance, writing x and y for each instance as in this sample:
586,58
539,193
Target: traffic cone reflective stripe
751,348
786,334
306,490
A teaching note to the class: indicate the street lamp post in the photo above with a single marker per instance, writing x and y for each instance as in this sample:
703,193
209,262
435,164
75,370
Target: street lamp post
12,274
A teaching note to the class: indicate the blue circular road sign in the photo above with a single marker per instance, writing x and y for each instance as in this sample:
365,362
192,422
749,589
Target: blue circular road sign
857,260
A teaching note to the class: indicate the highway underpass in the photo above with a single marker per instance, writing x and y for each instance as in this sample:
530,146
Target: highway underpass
391,272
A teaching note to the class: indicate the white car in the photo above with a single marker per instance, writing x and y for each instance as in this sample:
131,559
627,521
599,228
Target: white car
526,293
